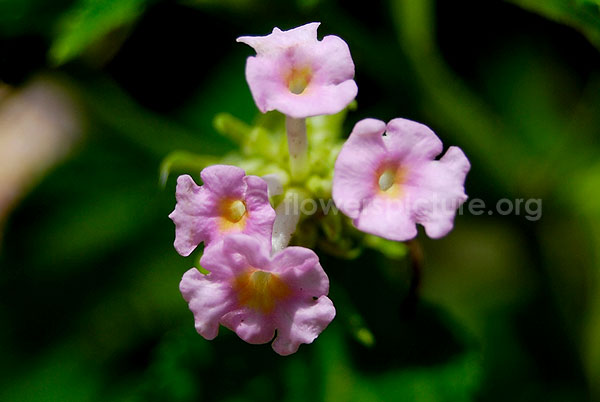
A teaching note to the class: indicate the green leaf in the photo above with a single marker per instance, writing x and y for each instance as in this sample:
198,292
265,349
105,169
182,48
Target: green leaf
87,22
582,15
593,2
185,161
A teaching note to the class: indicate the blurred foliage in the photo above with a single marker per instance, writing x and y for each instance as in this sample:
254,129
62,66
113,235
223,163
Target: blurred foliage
509,308
583,15
87,22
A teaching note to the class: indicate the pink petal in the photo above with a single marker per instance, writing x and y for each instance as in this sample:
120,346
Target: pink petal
193,204
261,214
208,300
331,71
441,192
302,323
430,192
333,62
411,140
224,180
245,250
299,315
198,214
279,40
299,268
354,178
253,327
221,262
388,218
264,78
315,100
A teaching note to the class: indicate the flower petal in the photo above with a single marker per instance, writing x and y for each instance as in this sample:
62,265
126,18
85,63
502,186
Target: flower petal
410,140
224,180
299,268
217,259
279,40
387,217
261,214
253,327
189,216
333,62
302,323
441,192
321,71
242,249
315,100
264,79
207,299
426,191
354,178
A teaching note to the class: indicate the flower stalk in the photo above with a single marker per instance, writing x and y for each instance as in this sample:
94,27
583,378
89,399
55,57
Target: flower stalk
287,218
297,147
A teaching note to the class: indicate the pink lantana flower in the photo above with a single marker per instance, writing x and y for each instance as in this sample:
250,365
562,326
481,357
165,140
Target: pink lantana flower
387,180
228,202
254,294
297,74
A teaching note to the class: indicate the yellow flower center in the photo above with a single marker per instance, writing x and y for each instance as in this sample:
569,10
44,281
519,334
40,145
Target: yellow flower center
260,290
298,79
233,215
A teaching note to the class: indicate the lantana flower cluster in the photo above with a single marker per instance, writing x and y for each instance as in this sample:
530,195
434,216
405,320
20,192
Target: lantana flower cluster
385,179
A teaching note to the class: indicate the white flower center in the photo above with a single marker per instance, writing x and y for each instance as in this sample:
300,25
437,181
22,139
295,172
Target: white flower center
387,179
298,79
236,211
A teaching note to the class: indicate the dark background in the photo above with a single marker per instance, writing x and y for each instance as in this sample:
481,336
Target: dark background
509,307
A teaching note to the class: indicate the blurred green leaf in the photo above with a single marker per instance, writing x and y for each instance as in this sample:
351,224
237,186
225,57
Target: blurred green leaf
19,17
456,380
96,225
236,5
88,21
596,2
110,105
389,248
186,162
60,375
577,14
